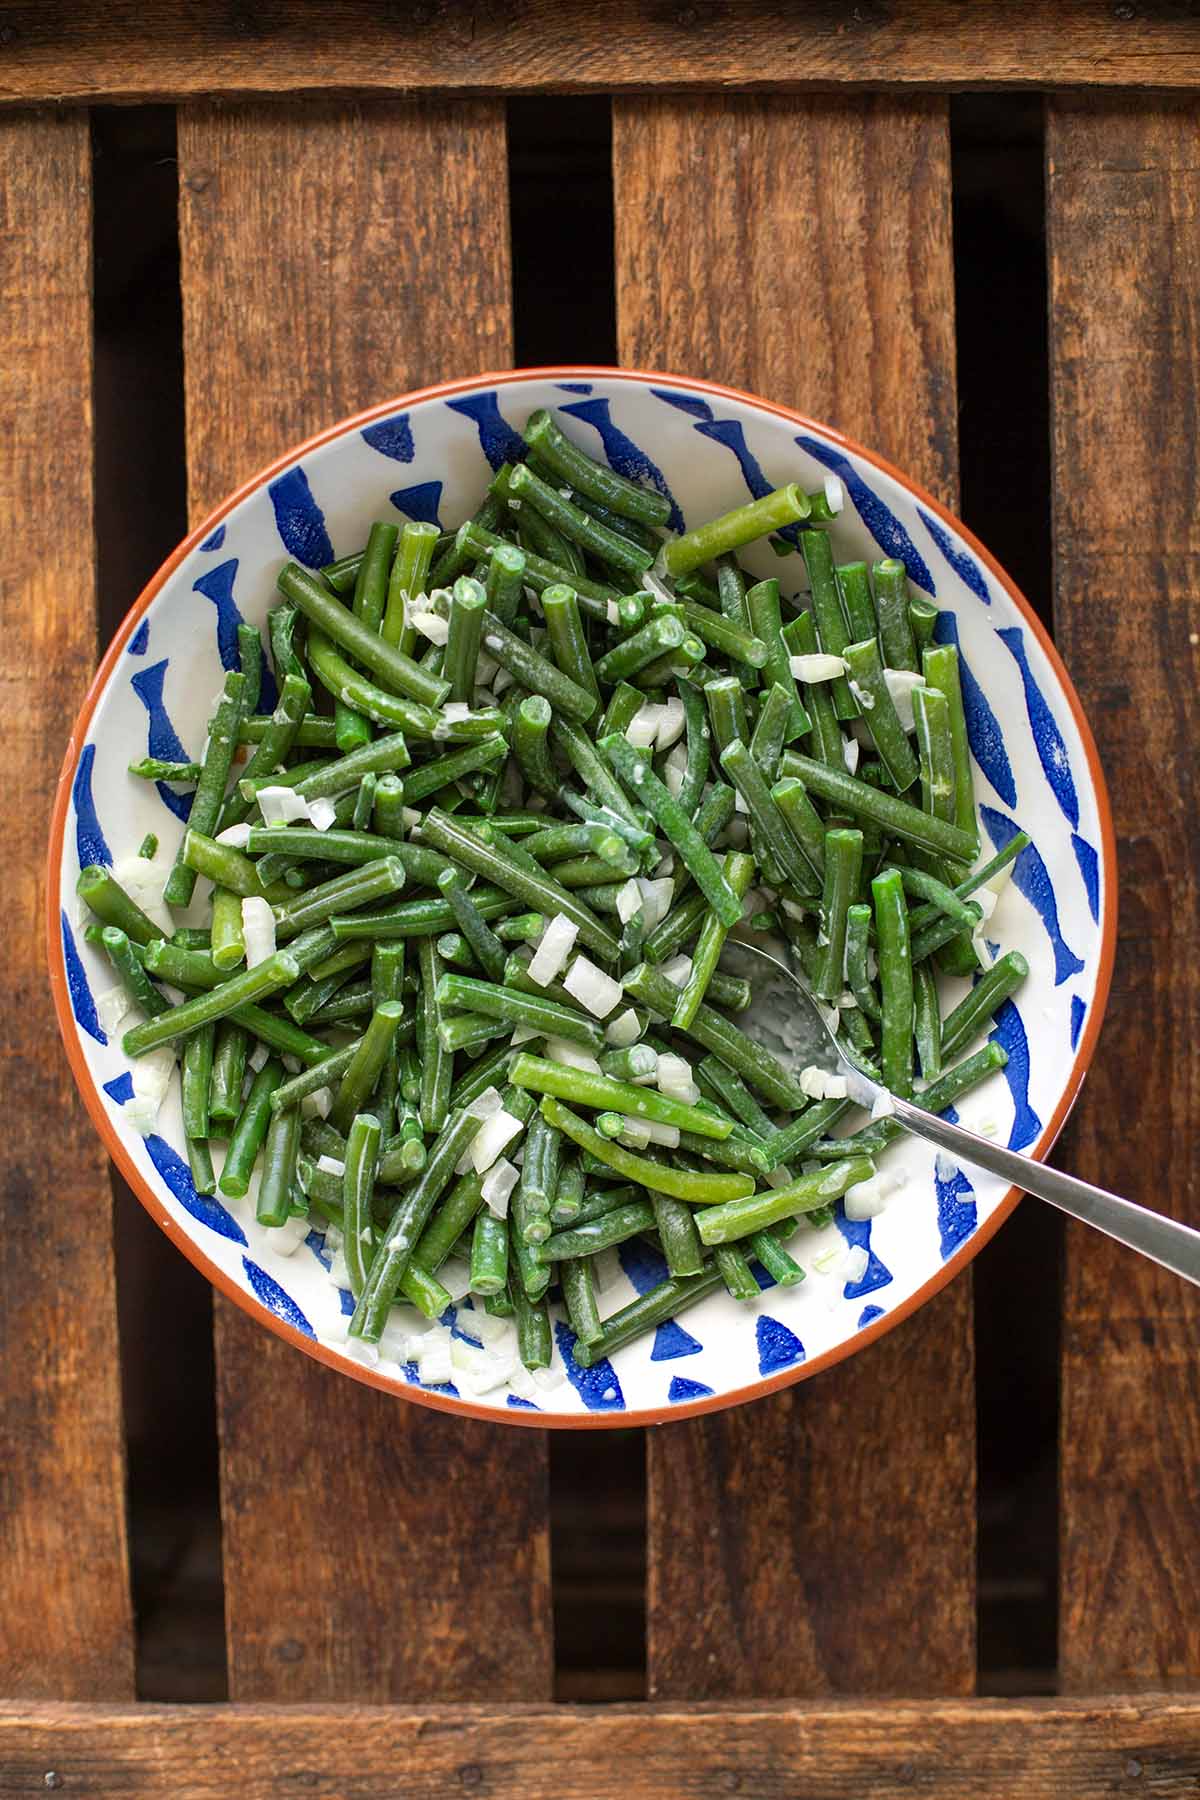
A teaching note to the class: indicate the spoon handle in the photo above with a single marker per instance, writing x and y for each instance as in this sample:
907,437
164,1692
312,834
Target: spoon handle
1164,1241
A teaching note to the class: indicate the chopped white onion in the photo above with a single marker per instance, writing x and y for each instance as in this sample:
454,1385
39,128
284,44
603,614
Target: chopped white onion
550,957
835,493
321,813
818,666
670,728
857,1264
430,625
330,1165
287,1238
281,805
850,753
317,1105
677,970
606,1265
656,899
522,1035
900,685
629,901
521,1382
144,878
642,729
613,612
593,989
498,1185
433,1359
257,1057
818,1084
236,836
151,1075
883,1108
484,1105
673,1077
650,1131
863,696
113,1005
571,1056
624,1030
493,1136
258,929
455,1276
867,1199
548,1379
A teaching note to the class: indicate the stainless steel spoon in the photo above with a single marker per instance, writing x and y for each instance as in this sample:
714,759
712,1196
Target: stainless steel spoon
784,1018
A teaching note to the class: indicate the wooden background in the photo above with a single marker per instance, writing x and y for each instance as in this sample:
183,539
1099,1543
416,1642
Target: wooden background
971,237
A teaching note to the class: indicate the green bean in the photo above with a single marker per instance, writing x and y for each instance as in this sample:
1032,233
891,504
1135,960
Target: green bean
568,639
484,753
228,1073
677,1233
209,796
935,744
437,1065
731,599
455,1214
624,704
530,741
725,700
943,899
735,1272
828,616
265,978
720,633
535,672
363,1070
535,1345
740,1218
946,1091
385,708
603,1091
756,519
342,894
306,841
504,581
468,603
779,1265
895,981
769,824
250,1131
649,1310
660,634
154,768
921,916
396,671
539,573
991,991
358,1189
739,873
406,580
827,743
591,769
388,820
854,589
701,1187
614,1227
200,1166
228,942
568,1195
803,822
364,804
344,773
762,602
538,1187
735,1095
843,867
619,553
128,966
880,715
489,1254
112,905
599,483
891,608
514,1008
333,1064
927,1021
640,779
790,1140
195,1080
280,1154
858,932
720,1036
579,1297
351,729
488,951
631,1064
863,801
939,932
228,868
770,731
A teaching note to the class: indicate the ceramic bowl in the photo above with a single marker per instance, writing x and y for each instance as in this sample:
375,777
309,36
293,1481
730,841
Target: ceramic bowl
429,456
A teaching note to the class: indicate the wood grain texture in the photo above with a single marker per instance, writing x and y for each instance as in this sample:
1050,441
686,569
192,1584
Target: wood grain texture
1124,219
810,261
334,255
972,1750
168,49
64,1579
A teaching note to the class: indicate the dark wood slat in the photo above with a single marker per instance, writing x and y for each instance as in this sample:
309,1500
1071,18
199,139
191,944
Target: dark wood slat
950,1750
801,249
64,1577
1124,217
334,255
171,48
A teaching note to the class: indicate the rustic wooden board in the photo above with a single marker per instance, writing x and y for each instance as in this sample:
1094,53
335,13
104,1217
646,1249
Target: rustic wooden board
64,1578
972,1750
170,48
793,1542
1124,219
334,255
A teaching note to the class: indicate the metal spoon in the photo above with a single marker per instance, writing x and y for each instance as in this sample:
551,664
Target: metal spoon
784,1018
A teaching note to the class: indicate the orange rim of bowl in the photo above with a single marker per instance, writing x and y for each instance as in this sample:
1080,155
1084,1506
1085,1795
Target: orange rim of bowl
342,1362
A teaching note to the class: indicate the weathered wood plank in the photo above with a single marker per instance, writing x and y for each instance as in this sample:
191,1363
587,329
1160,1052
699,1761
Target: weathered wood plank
168,49
1124,219
810,261
64,1578
964,1750
333,255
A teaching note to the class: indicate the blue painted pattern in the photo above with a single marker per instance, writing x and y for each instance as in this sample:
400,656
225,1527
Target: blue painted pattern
868,1314
163,740
1032,878
206,1209
730,433
1010,1033
683,1389
623,455
315,1241
215,539
497,439
299,520
598,1386
90,842
1078,1010
120,1088
879,519
82,1004
422,502
273,1297
644,1267
392,437
217,585
1047,738
857,1233
687,403
515,1401
1089,869
983,728
671,1341
140,640
574,387
956,1210
778,1347
960,561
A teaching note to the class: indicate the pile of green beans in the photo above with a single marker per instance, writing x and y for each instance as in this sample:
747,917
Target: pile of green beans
563,716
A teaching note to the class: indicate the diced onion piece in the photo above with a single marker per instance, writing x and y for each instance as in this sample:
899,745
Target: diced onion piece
634,1134
650,1131
287,1238
857,1264
642,729
258,929
850,753
433,1358
431,625
487,1370
321,813
571,1056
606,1265
236,836
547,1379
883,1108
814,1082
151,1076
522,1035
867,1199
593,989
498,1185
486,1326
670,728
329,1165
629,901
521,1382
144,878
826,1261
316,1105
113,1005
817,666
835,493
624,1030
550,957
900,685
455,1277
674,771
613,612
257,1057
677,970
455,711
673,1077
281,805
493,1136
484,1105
656,899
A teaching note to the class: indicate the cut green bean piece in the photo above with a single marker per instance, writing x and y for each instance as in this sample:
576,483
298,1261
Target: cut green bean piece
592,478
112,905
940,666
772,832
250,1132
858,606
895,982
406,580
975,1012
880,715
266,978
858,798
396,672
209,796
602,1091
700,1187
641,781
891,608
830,620
281,1151
786,506
843,867
736,1219
762,602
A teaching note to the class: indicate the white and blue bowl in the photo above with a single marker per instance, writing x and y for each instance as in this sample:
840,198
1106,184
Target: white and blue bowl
429,456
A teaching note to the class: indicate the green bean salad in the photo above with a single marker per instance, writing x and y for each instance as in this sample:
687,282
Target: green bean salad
457,999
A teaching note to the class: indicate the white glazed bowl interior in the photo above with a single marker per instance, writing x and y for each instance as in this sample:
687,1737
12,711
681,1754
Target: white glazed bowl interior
430,457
